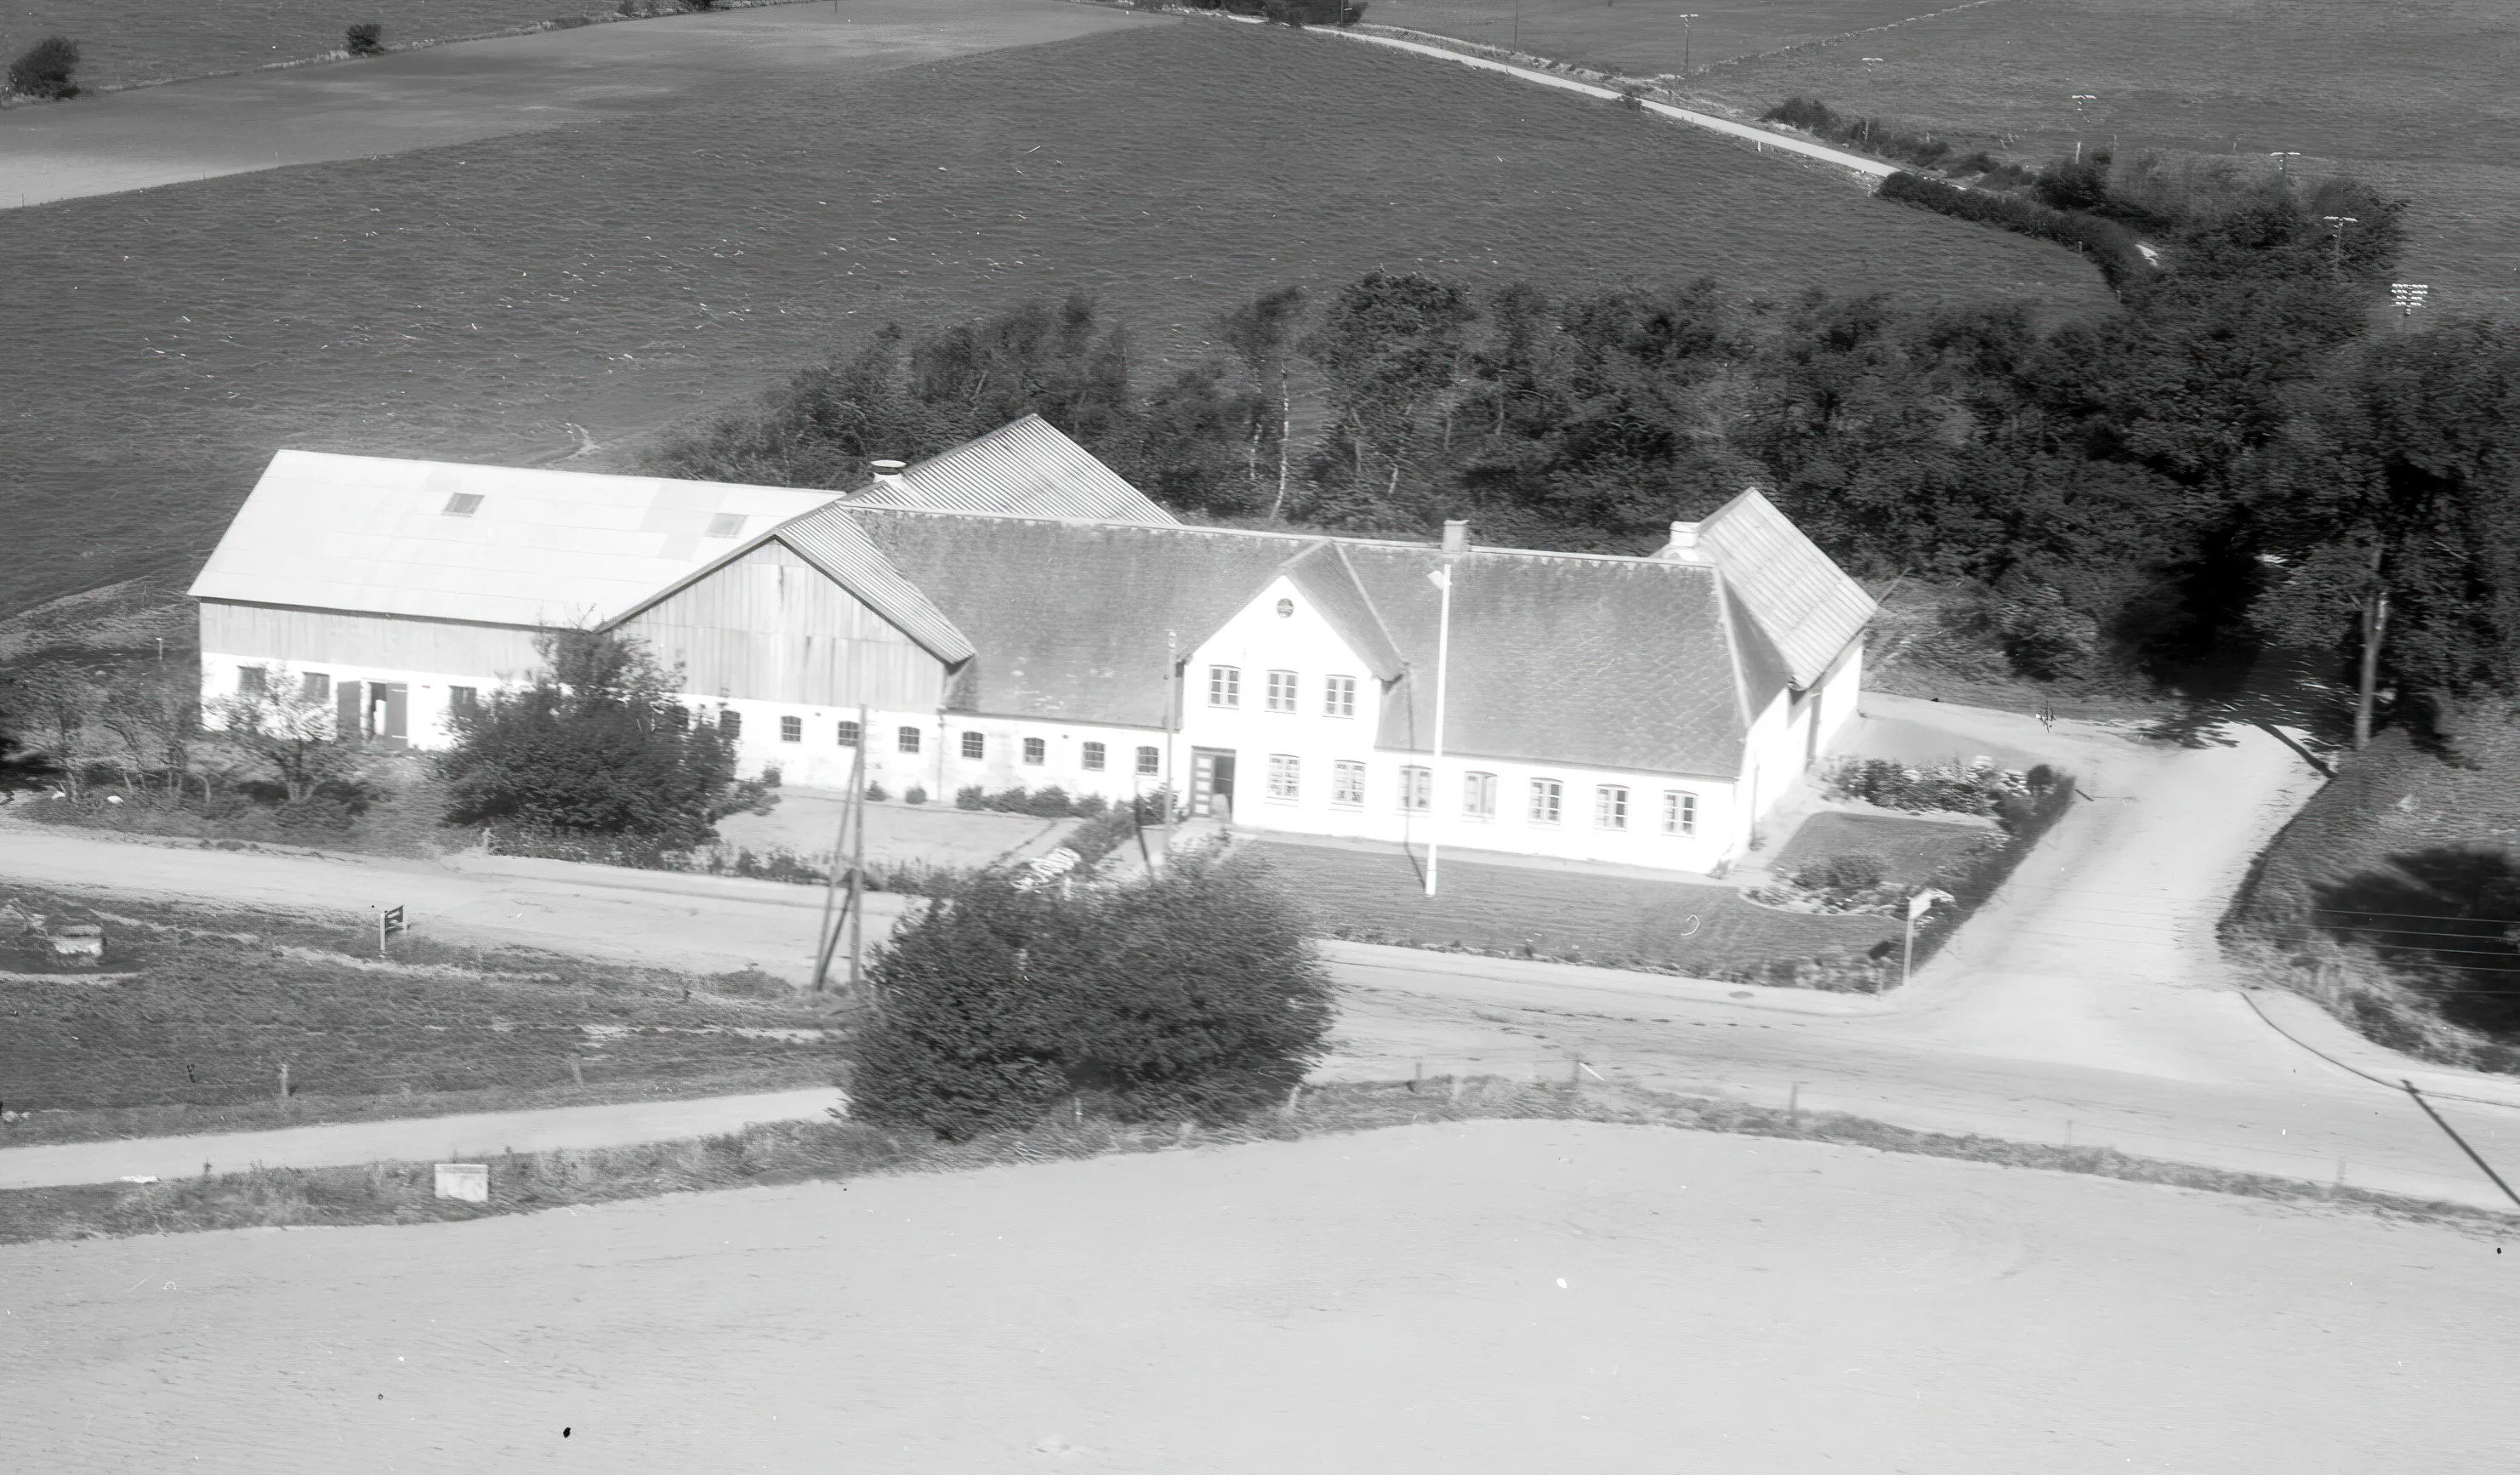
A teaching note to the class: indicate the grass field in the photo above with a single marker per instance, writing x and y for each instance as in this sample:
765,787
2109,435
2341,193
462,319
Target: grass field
127,42
1372,896
197,1011
1645,37
471,302
1911,851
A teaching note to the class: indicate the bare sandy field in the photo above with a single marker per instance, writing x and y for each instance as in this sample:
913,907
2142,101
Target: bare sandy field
1497,1296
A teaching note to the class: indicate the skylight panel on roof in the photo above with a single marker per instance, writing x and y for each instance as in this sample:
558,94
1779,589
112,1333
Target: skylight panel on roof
725,526
463,504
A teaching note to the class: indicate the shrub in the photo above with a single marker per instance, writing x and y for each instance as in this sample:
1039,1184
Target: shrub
915,795
46,69
1283,13
1193,992
877,793
971,796
2110,244
1871,135
1943,787
2040,636
365,39
1854,872
1631,97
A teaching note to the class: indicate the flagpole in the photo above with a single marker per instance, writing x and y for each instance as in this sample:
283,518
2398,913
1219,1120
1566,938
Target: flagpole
1443,660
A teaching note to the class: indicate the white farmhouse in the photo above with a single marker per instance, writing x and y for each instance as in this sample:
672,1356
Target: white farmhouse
1013,613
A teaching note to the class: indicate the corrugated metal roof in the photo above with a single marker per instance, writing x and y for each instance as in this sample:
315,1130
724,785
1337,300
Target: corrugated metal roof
1800,599
1026,468
832,542
373,535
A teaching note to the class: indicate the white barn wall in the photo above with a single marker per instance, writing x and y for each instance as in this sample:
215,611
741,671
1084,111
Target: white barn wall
771,627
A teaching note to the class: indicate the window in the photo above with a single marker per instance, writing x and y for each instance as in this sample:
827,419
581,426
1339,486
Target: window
1225,686
730,722
974,745
1416,789
906,740
1347,782
316,687
1478,796
467,699
725,526
1611,806
1338,697
1097,756
1282,690
249,680
1036,750
1151,760
1548,797
463,504
849,734
1285,776
792,729
1679,813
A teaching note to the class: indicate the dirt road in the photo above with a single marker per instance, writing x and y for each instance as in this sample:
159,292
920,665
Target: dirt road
485,89
1492,1296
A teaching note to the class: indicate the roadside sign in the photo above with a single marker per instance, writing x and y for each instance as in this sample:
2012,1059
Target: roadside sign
467,1182
394,922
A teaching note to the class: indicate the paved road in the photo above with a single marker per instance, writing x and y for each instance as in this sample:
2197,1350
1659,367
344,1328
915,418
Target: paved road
485,89
439,1138
2088,1004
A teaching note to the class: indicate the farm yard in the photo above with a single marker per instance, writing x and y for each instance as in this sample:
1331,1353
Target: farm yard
477,301
188,1022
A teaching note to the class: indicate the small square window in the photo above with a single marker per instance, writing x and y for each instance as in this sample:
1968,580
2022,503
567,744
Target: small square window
974,745
906,740
792,729
725,526
1478,796
1096,757
1036,750
1548,800
315,686
463,504
848,734
730,722
1282,690
1347,782
1679,813
1611,806
1285,776
1225,686
249,680
1151,761
1338,697
468,699
1416,789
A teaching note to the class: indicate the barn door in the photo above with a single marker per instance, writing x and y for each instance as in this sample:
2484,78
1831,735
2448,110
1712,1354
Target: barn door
397,724
349,708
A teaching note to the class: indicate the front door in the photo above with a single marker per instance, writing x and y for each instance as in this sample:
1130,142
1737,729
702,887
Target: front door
1212,782
389,713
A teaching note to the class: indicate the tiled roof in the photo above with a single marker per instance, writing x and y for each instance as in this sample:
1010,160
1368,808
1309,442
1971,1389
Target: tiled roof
1326,578
1600,662
1799,597
373,535
1026,468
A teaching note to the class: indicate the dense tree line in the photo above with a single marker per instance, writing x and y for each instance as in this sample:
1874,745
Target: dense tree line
2210,463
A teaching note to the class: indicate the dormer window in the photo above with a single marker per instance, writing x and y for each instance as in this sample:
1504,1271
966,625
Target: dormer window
463,504
725,526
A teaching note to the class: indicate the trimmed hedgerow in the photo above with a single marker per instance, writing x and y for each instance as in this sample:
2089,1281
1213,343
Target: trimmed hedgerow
2109,244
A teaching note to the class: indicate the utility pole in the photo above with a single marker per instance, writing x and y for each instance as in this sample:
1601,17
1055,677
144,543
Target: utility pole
2283,156
2409,296
2337,225
2080,99
1683,41
1172,728
2375,627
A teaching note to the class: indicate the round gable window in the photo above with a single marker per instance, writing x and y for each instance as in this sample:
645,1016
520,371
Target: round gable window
1285,608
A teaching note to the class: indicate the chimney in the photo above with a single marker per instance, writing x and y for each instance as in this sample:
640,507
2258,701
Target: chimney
888,473
1682,547
1457,536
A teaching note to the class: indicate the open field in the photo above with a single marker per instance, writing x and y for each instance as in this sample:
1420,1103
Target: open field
1375,895
1643,38
475,301
1474,1296
198,1011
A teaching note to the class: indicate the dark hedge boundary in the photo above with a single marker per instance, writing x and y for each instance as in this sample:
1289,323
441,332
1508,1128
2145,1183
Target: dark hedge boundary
2110,245
790,1152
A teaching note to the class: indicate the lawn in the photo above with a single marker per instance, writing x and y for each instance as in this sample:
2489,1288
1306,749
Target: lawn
475,301
1374,896
127,42
189,1022
1913,852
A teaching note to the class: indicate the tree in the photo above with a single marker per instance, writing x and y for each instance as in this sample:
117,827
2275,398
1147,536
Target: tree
365,39
54,712
276,726
153,715
1261,334
1392,348
597,744
2390,516
1191,992
46,69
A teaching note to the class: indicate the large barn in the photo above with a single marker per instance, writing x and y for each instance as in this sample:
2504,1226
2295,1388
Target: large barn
1012,612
